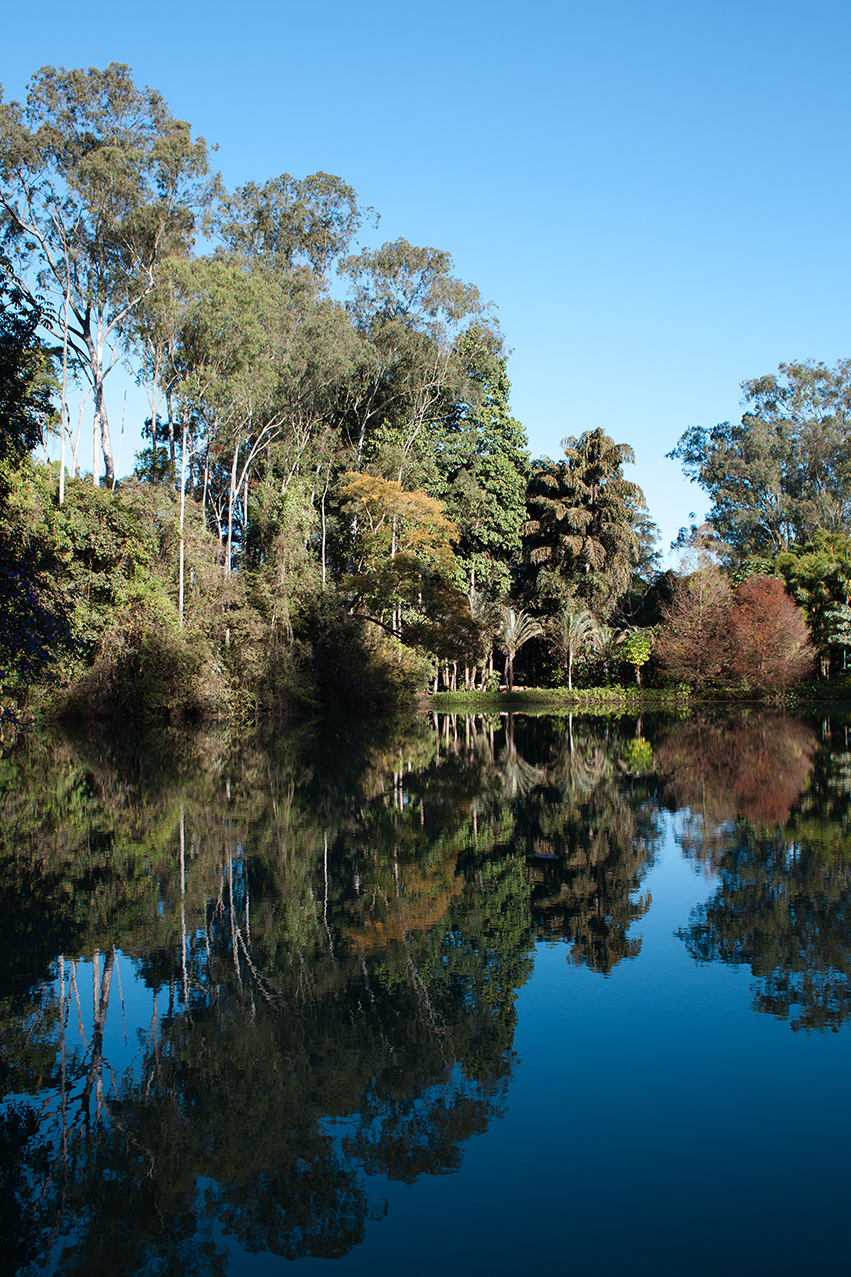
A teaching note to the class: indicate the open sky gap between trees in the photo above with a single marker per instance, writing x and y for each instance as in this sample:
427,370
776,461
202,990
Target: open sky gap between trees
334,506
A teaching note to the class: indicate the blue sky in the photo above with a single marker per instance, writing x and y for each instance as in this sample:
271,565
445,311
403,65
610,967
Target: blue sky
654,195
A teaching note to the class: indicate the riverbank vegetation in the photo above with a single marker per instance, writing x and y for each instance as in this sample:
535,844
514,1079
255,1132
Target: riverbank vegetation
334,506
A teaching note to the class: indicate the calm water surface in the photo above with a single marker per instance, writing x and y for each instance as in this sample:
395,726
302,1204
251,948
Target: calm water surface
478,994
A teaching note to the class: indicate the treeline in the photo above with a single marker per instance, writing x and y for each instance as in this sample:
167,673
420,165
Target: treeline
334,505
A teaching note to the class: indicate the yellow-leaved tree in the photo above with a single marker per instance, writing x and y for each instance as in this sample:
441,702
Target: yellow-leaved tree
403,564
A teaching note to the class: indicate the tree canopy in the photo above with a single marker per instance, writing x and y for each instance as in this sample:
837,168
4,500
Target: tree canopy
783,471
340,498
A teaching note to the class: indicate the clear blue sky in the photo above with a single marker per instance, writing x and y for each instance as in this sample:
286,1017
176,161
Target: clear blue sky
655,195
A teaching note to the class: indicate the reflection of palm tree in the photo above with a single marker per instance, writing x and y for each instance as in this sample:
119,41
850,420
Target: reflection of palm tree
580,765
518,776
516,628
575,633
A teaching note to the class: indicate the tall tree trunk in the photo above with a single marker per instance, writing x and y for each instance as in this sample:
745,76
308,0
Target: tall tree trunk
232,494
102,425
170,416
182,515
63,413
206,481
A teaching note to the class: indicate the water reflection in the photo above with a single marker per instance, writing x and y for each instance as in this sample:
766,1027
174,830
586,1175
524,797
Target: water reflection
590,831
324,936
768,812
725,770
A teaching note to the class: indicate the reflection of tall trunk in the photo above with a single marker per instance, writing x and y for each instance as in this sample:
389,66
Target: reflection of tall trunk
62,1058
101,1005
324,529
325,900
183,911
232,912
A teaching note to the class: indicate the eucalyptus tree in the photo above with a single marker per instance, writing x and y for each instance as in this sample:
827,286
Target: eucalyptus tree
290,222
99,184
238,327
422,328
783,472
516,628
580,539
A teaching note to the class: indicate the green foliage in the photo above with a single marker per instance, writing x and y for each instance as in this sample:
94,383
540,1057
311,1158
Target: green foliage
481,458
818,576
99,184
144,666
638,755
636,646
580,542
26,371
783,472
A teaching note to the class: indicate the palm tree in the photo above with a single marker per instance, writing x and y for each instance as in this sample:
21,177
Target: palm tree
574,634
516,628
584,515
608,650
486,615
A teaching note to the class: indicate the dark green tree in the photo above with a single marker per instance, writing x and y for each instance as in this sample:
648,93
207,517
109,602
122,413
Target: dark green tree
482,464
26,370
34,627
580,540
818,576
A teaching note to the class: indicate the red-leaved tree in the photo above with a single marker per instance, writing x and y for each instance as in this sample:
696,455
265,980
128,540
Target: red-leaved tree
692,645
770,642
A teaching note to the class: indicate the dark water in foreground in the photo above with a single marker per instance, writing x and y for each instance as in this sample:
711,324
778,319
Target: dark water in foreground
550,994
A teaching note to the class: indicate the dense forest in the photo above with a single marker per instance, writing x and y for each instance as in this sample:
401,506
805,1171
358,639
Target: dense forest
334,506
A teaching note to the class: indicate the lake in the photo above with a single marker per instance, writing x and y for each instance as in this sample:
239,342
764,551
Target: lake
467,994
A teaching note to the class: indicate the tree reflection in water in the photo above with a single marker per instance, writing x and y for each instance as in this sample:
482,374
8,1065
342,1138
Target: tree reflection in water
333,933
768,812
590,832
332,930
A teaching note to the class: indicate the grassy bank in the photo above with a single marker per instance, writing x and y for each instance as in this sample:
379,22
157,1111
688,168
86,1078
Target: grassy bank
553,700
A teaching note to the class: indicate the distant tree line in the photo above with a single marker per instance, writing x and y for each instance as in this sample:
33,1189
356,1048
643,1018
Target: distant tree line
334,504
